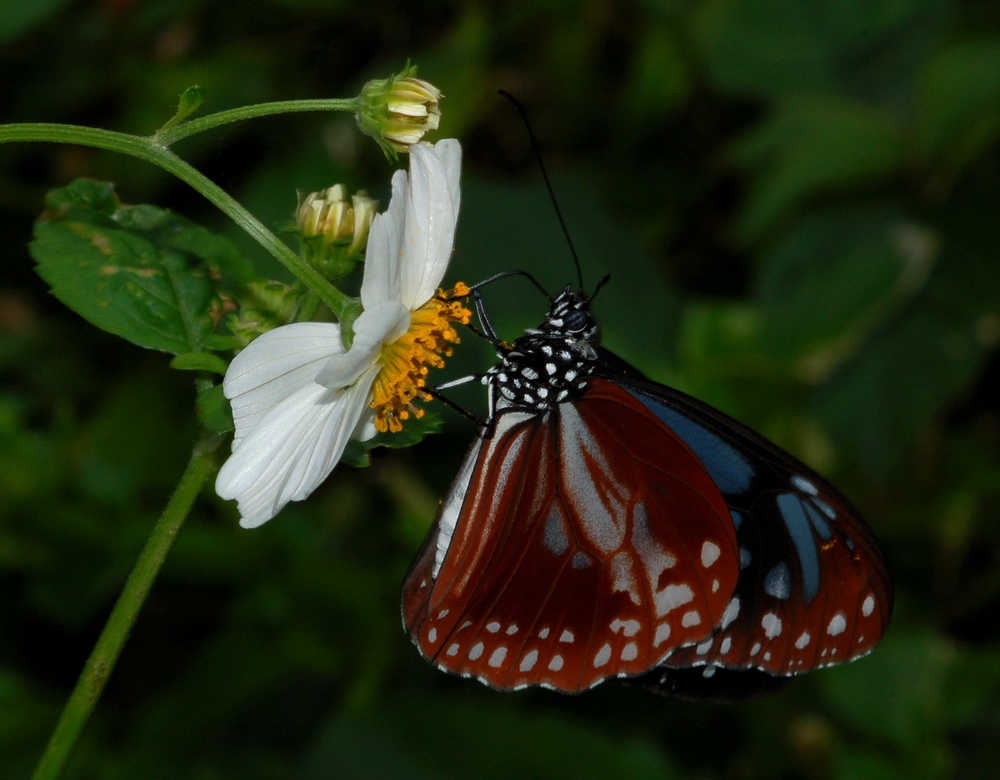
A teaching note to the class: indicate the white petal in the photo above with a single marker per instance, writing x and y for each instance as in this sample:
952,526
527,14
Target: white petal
274,366
383,322
293,449
431,215
382,278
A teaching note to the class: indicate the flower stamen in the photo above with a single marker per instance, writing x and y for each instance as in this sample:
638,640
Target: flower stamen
405,361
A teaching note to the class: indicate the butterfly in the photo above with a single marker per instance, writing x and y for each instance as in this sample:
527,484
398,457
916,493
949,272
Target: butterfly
604,526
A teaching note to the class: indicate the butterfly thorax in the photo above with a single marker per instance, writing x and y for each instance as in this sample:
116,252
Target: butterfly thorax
550,364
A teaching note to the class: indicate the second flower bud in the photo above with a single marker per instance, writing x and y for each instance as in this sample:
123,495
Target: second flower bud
334,232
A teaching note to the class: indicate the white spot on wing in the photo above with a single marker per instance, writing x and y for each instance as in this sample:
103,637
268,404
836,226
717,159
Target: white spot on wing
556,663
631,627
624,577
662,634
691,618
710,553
442,613
492,626
566,636
803,640
529,660
837,624
704,647
671,597
476,651
771,624
630,652
432,635
497,657
868,605
453,649
544,633
804,485
731,613
511,629
755,649
726,644
603,656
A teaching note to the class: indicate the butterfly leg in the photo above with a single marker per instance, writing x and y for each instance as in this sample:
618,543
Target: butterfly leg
435,391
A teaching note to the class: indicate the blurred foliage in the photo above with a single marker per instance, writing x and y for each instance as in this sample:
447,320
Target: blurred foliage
797,202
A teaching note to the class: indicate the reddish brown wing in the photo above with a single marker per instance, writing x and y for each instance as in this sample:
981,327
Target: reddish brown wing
813,587
582,544
778,622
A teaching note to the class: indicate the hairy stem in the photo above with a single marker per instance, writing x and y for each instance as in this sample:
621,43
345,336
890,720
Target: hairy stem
170,135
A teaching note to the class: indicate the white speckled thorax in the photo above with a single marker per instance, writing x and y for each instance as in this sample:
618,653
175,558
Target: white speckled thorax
550,364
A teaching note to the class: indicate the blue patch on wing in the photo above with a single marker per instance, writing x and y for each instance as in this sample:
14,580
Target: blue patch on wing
731,471
793,512
821,526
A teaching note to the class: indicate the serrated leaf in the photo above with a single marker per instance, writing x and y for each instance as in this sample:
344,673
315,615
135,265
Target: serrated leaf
140,272
214,411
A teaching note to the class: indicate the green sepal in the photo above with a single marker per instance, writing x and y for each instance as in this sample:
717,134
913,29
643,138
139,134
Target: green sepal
214,411
357,453
140,272
190,101
200,361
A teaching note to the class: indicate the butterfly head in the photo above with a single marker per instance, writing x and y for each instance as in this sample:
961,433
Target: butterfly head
550,364
569,319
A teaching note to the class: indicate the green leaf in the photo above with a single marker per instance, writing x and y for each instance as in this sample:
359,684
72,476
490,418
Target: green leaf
140,272
200,361
813,145
960,102
214,411
833,279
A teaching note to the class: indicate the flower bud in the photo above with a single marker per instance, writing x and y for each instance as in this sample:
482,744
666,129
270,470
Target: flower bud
399,111
334,233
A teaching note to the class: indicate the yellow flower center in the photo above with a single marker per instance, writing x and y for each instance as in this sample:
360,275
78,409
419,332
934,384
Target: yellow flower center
405,361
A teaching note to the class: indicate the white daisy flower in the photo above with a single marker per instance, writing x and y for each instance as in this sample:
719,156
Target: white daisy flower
298,396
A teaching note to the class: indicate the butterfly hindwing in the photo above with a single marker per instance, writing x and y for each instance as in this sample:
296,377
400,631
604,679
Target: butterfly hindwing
576,545
813,588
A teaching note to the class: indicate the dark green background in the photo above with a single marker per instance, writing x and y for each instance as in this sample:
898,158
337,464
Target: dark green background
799,204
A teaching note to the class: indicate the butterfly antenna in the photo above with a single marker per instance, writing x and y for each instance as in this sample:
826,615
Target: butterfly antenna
505,274
545,176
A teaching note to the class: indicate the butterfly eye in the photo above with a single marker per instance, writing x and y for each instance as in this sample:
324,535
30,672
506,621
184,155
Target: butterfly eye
576,320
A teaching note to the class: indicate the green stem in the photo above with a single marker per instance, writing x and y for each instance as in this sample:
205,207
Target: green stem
343,306
102,660
170,135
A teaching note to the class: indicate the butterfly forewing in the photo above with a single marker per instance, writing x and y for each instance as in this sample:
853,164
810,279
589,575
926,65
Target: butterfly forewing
586,542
